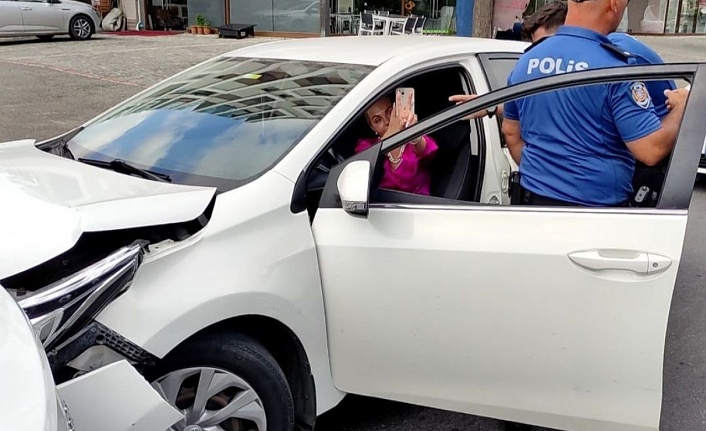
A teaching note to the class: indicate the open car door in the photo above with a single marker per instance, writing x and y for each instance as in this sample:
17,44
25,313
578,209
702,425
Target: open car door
553,316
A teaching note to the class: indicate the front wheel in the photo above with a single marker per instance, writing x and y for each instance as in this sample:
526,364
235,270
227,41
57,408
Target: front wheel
80,28
227,382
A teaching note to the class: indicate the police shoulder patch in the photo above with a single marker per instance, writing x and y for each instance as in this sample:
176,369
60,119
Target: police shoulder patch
640,95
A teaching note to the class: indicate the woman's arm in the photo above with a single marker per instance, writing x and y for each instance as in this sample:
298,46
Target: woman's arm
419,145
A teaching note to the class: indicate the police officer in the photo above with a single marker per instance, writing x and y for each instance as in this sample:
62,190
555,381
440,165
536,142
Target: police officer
578,146
643,54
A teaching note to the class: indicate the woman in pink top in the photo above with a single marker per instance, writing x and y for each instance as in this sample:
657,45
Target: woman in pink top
406,167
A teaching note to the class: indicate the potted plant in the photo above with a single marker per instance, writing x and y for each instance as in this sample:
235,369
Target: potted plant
200,23
206,27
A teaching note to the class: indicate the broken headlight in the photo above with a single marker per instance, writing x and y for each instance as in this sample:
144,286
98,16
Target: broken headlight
62,308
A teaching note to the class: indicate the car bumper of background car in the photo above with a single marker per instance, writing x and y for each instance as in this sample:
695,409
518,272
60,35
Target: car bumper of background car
97,20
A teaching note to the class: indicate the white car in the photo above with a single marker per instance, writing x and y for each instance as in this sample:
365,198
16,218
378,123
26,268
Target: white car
218,231
48,18
28,397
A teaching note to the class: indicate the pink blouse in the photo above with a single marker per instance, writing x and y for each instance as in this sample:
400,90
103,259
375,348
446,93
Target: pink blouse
412,174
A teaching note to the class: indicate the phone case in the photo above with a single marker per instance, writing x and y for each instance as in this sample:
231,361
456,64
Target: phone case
404,100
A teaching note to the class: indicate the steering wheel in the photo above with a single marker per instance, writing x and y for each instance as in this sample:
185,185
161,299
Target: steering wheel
319,175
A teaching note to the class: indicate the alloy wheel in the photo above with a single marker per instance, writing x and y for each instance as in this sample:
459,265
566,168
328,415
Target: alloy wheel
82,28
212,399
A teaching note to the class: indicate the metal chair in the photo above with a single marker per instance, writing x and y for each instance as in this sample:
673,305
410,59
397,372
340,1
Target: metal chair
344,23
419,25
367,26
408,28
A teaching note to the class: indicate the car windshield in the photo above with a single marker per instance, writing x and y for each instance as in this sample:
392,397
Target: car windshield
221,124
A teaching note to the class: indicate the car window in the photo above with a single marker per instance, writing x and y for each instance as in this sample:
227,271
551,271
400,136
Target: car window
454,163
221,124
497,68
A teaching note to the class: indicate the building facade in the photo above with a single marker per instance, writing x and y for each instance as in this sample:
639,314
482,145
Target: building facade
305,16
656,16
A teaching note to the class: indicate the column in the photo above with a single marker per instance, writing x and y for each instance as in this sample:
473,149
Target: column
464,17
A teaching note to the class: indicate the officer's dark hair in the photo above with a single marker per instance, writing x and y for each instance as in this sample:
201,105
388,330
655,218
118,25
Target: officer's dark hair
550,16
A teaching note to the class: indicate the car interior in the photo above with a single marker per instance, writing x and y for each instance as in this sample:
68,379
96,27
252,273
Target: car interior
457,168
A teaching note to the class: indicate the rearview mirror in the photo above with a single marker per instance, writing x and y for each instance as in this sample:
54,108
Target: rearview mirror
354,186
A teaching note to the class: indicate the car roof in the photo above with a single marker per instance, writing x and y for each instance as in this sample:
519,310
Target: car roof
374,50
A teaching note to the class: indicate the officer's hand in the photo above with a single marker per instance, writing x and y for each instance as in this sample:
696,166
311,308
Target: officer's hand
676,98
460,98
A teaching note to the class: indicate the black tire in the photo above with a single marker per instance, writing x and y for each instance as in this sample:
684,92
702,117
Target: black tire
81,27
247,359
45,37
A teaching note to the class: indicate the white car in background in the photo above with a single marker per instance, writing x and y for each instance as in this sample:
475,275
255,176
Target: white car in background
218,231
48,18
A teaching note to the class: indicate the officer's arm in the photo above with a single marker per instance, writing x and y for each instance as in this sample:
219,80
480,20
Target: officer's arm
513,138
654,147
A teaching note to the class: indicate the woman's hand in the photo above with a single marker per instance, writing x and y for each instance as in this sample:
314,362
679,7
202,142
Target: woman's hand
410,121
419,145
395,125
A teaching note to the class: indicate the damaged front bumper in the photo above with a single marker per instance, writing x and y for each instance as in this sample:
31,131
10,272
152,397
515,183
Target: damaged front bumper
116,398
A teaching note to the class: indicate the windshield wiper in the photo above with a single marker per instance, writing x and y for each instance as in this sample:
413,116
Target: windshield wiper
60,145
122,166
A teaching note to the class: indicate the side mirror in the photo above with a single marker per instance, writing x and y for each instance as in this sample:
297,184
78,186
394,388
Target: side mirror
354,187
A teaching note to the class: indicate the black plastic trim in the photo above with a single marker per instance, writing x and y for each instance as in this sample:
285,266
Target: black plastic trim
96,334
383,197
330,197
683,165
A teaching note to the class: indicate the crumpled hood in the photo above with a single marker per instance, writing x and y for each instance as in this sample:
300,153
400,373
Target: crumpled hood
48,201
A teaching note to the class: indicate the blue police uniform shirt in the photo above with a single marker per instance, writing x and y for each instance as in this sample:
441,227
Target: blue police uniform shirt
575,138
645,55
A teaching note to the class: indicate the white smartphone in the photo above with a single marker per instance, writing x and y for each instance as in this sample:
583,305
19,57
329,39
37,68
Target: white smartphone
404,102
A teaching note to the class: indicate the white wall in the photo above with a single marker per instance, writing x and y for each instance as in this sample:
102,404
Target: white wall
129,9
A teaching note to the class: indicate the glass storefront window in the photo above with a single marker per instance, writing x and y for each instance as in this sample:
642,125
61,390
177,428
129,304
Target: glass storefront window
701,18
252,12
672,11
212,10
296,15
644,16
693,17
277,15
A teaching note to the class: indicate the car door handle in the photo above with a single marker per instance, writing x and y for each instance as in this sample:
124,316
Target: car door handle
26,8
621,260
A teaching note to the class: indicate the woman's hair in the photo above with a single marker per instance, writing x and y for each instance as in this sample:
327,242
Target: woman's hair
550,16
